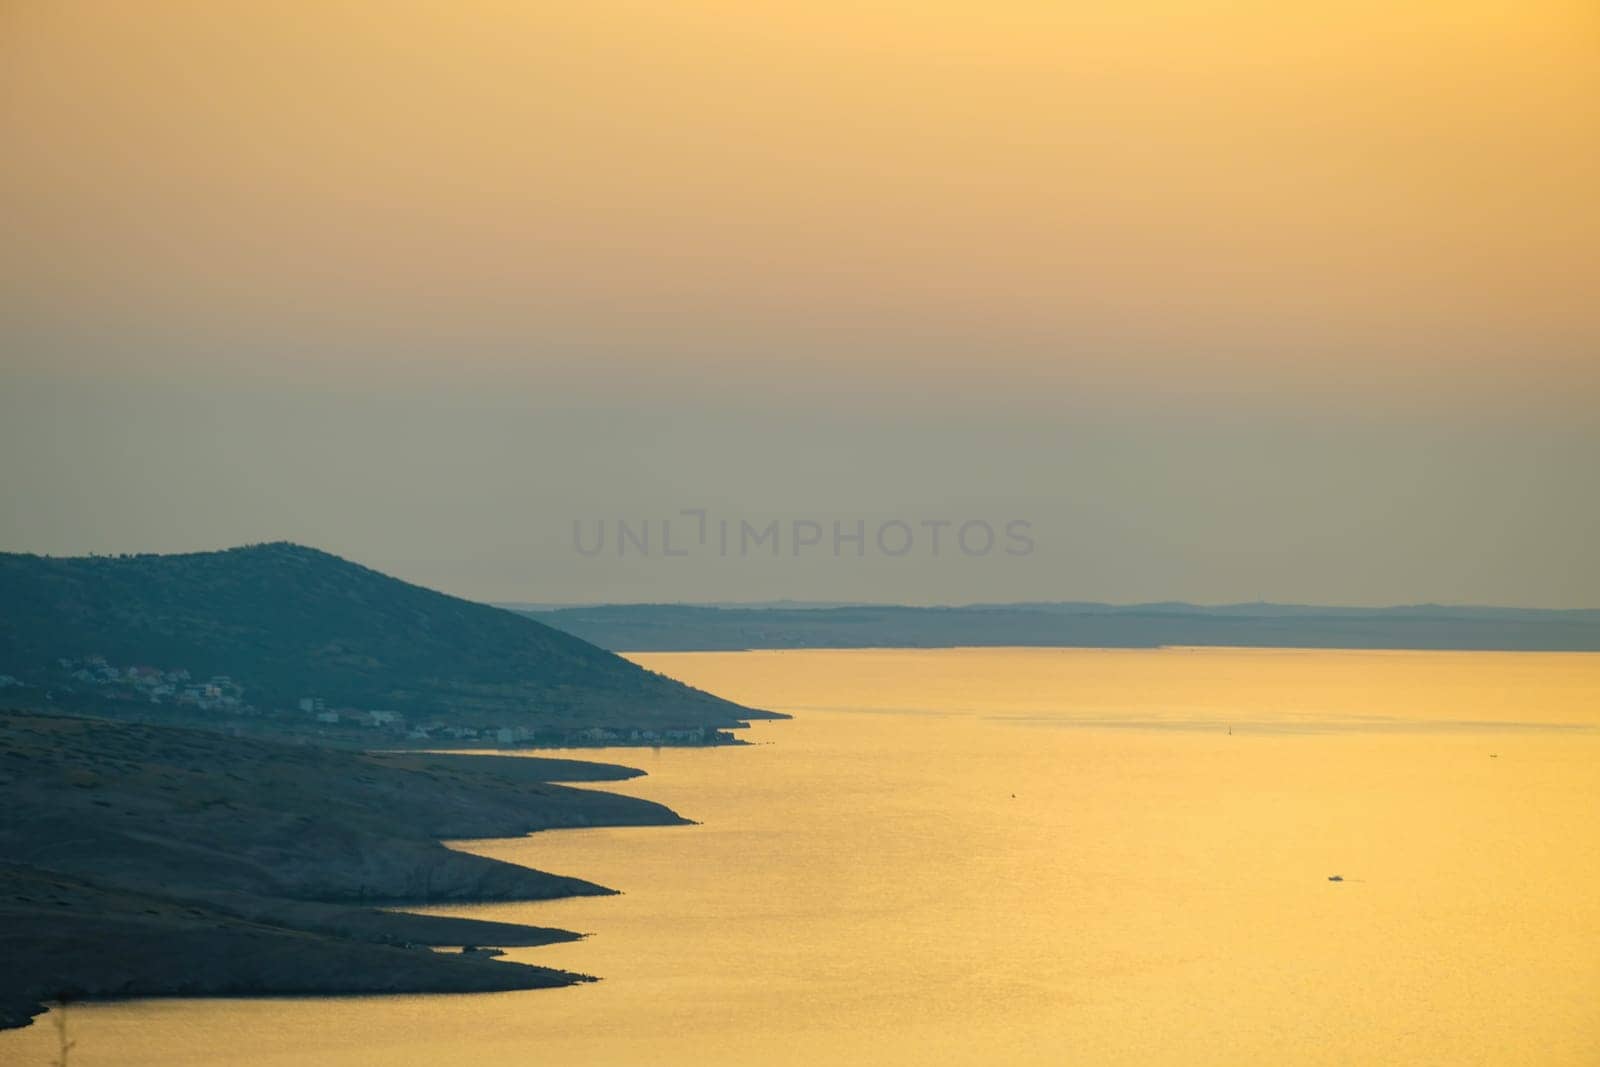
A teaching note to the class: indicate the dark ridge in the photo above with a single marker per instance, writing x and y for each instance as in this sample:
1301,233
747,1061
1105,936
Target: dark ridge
510,768
66,938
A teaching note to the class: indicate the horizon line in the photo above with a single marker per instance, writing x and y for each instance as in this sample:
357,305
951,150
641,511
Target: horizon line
827,605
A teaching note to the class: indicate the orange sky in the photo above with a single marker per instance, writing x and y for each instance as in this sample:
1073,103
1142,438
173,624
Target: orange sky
1233,301
1370,199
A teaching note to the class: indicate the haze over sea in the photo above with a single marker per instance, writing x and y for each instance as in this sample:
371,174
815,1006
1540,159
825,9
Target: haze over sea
1040,856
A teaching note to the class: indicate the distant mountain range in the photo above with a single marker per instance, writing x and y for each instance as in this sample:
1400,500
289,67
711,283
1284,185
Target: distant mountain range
280,634
669,627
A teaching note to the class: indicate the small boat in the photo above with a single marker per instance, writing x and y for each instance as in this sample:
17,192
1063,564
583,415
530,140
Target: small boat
1335,877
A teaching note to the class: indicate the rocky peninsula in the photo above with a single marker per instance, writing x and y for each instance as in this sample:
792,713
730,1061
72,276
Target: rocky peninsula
146,860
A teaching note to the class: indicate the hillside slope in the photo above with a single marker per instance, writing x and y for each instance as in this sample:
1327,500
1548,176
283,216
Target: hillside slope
285,623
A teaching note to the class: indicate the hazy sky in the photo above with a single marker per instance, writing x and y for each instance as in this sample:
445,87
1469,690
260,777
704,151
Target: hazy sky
1227,300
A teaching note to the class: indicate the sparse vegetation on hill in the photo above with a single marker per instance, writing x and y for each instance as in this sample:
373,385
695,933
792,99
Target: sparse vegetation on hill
283,623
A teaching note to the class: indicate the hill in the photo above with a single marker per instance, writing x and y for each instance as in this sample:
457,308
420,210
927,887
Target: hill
279,633
677,628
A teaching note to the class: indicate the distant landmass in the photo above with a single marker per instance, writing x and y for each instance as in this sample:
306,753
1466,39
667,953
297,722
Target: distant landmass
279,638
685,628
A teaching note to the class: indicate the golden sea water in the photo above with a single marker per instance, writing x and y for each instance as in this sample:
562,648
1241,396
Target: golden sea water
1039,856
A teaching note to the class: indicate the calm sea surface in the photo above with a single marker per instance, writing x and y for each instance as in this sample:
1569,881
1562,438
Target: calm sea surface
1040,857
